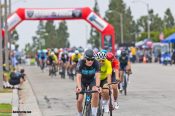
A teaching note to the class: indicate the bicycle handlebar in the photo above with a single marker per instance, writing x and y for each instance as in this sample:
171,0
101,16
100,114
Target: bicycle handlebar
87,91
116,82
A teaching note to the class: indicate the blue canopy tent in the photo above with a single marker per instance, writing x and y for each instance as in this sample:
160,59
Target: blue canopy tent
169,39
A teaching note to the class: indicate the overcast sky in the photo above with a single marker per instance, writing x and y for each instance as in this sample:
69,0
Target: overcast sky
79,30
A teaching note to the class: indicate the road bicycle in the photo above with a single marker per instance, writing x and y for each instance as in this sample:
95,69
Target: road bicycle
52,70
87,102
100,106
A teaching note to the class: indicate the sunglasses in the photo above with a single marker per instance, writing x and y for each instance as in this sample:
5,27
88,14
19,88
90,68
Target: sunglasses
90,59
101,60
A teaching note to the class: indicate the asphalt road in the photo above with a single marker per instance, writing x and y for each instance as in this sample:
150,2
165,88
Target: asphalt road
151,92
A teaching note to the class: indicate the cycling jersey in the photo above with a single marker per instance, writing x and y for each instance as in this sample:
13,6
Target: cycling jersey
42,56
115,64
87,72
76,57
105,70
52,58
64,57
123,62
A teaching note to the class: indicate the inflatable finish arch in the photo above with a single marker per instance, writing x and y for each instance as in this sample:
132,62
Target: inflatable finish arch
107,30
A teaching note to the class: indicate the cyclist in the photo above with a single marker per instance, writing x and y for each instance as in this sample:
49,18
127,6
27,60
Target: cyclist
42,58
125,65
75,58
115,76
52,60
105,78
88,75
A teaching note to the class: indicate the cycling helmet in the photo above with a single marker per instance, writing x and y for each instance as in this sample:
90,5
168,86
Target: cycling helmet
76,52
55,50
123,53
52,53
109,56
39,51
104,51
89,54
101,55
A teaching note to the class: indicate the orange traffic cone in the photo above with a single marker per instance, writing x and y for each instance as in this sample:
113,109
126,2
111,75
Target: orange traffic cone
144,60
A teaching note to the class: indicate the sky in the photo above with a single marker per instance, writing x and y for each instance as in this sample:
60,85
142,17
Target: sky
79,29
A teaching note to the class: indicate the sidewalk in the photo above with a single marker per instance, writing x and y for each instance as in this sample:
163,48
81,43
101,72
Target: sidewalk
11,98
27,101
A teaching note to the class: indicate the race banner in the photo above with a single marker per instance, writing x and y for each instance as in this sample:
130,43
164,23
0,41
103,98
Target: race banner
52,13
97,21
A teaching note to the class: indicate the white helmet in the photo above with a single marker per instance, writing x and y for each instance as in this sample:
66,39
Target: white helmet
76,51
52,53
55,50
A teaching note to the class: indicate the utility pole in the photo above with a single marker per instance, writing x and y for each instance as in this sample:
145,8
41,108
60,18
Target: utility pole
148,19
121,26
9,34
1,57
147,5
6,37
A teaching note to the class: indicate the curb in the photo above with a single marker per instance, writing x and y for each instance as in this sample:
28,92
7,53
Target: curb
15,102
28,101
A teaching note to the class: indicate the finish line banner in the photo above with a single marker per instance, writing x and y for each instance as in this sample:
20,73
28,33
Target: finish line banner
52,13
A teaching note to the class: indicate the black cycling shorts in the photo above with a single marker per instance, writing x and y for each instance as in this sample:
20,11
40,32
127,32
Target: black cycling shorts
85,85
113,77
103,82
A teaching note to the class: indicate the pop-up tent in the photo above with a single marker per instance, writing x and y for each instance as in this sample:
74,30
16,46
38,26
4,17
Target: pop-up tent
146,43
169,39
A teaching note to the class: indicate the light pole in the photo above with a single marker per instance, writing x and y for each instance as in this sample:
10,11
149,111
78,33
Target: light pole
1,57
6,36
121,24
147,6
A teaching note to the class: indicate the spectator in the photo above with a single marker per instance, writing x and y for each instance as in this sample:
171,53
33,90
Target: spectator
14,61
17,78
5,78
173,57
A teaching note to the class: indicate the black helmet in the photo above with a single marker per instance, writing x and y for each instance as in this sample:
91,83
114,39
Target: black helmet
123,53
89,54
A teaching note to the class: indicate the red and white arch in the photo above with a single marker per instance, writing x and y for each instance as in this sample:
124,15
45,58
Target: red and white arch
106,30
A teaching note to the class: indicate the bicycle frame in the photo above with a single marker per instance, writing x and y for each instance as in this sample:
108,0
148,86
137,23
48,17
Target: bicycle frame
125,82
100,113
87,101
53,70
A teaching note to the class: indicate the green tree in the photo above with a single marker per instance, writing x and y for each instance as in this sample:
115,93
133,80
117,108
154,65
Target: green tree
168,19
156,26
117,14
94,39
156,23
50,39
62,35
39,39
15,38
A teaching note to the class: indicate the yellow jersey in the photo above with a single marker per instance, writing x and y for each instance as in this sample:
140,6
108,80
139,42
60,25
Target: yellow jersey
105,70
54,58
76,58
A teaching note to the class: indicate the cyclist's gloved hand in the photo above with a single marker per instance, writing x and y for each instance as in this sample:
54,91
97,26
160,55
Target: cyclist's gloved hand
118,79
78,89
98,89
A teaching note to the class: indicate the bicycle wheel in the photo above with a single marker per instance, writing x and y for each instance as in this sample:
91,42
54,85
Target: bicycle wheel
88,110
100,111
125,84
64,72
51,71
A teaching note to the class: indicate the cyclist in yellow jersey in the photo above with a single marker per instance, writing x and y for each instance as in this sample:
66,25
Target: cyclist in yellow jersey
76,56
105,77
52,60
74,60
